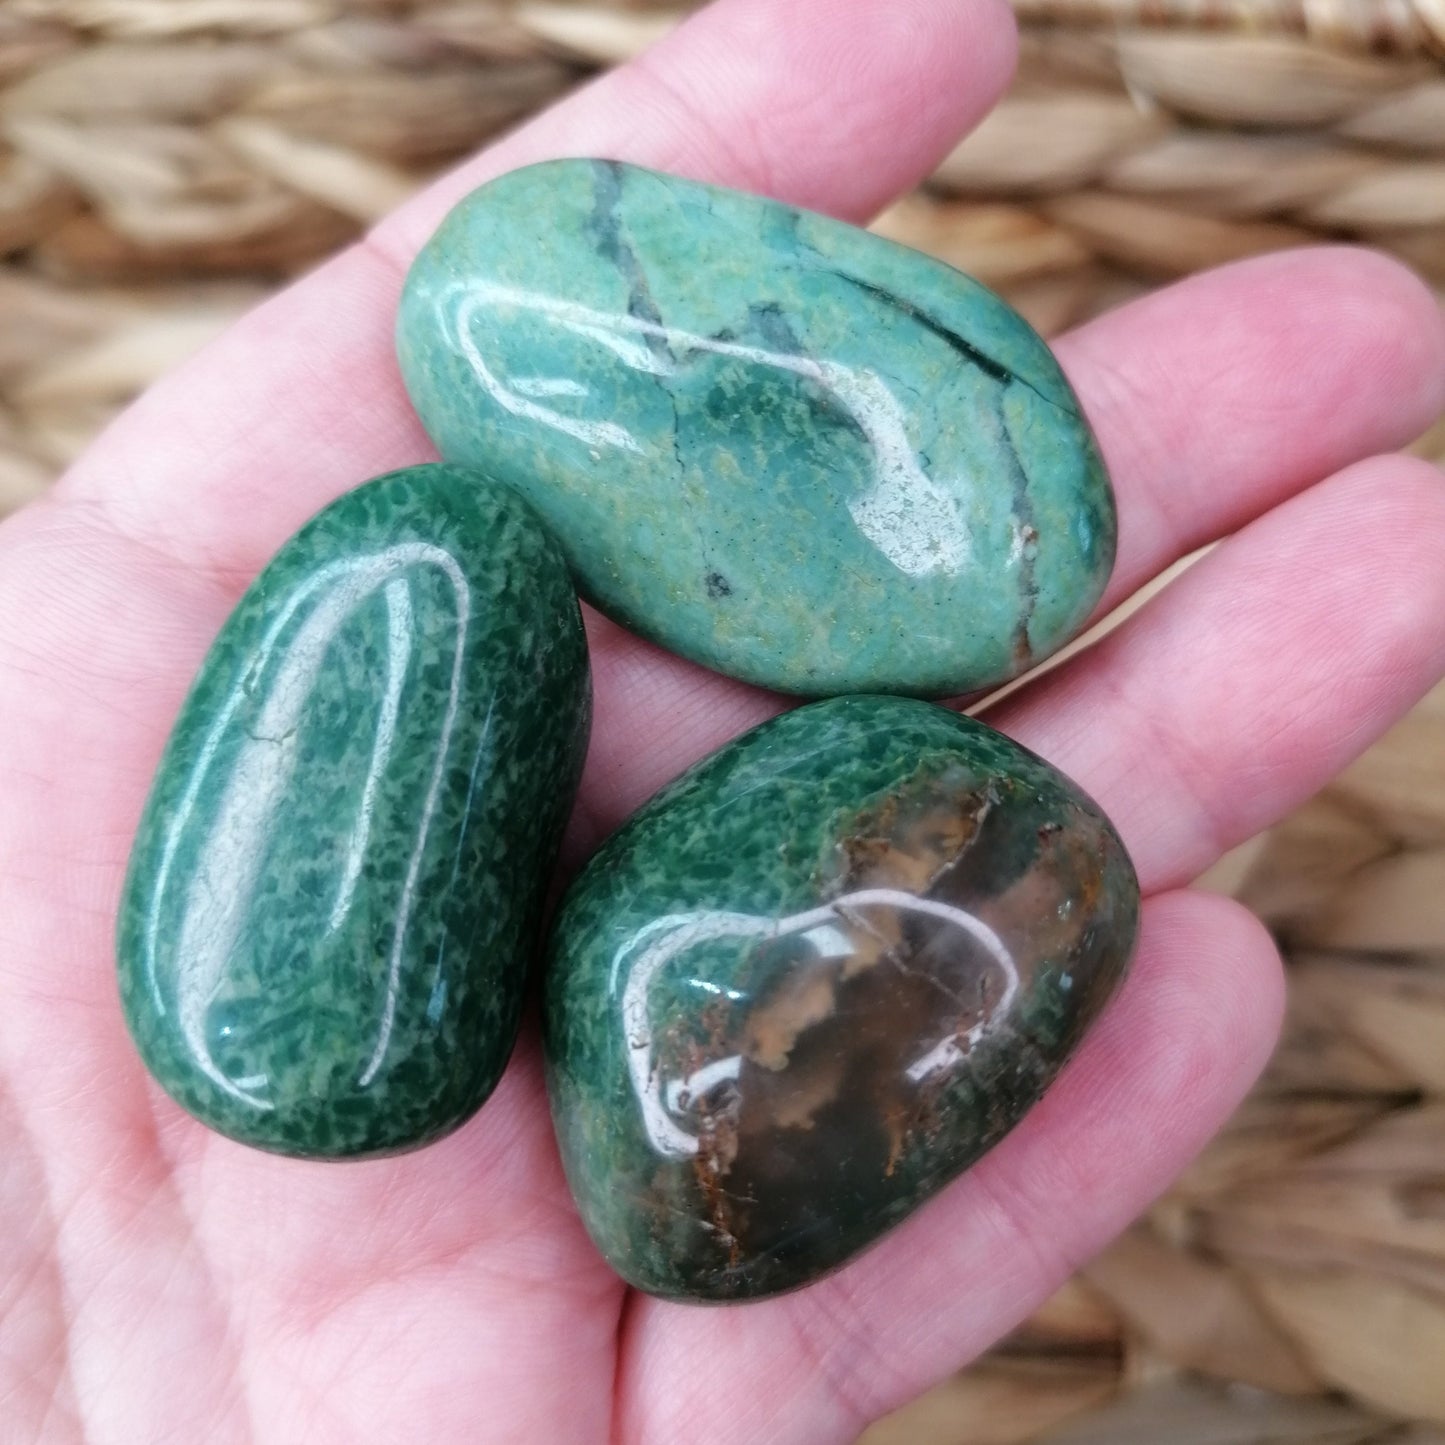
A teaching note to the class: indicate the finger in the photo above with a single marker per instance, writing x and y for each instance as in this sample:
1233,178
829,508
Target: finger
1168,1062
838,106
1219,397
1250,681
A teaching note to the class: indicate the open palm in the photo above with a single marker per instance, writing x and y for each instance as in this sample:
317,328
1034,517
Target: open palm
158,1283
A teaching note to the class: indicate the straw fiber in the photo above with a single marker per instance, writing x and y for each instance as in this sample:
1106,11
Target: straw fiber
165,163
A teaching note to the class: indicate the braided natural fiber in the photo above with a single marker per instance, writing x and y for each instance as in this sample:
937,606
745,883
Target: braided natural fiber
1404,26
163,163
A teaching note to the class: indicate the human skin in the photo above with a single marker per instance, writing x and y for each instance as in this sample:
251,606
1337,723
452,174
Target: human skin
160,1283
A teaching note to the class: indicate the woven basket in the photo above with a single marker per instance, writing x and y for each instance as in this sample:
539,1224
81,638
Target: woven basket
164,163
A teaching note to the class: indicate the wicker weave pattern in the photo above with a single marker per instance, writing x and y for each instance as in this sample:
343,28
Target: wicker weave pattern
164,163
1402,26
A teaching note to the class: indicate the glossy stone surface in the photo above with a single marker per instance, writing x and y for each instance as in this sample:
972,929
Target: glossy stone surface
778,445
334,894
813,980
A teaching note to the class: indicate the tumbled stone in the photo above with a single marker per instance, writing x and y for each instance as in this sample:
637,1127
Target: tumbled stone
334,894
813,980
774,443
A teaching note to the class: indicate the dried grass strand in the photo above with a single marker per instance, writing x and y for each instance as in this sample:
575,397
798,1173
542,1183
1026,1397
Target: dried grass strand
1404,26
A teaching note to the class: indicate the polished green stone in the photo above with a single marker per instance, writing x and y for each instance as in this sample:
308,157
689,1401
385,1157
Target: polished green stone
334,894
813,980
776,444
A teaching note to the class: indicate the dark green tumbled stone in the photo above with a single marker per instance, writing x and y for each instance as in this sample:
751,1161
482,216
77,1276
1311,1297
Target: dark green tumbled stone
334,894
813,980
776,444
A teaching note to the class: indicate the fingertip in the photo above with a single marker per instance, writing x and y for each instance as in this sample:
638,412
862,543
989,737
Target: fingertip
834,105
1221,396
1386,323
940,66
1386,516
1219,934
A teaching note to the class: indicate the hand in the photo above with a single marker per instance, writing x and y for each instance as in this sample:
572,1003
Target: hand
160,1283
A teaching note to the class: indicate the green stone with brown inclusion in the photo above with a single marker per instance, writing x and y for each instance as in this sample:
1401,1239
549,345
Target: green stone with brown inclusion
815,979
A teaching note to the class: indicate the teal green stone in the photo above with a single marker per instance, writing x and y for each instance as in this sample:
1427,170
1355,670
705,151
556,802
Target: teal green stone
778,445
334,895
813,980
